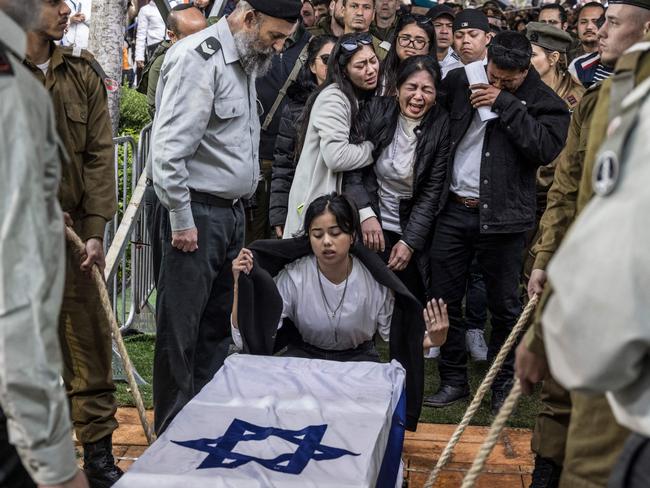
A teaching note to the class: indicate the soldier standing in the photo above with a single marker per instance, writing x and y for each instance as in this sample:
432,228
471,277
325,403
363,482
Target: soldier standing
87,193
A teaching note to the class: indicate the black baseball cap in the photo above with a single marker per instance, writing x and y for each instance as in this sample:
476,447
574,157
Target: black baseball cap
471,18
439,10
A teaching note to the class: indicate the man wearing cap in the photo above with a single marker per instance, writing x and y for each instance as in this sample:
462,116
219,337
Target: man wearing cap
443,17
205,144
488,203
576,435
471,35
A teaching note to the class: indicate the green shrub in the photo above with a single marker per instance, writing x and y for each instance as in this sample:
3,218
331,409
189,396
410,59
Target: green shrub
134,112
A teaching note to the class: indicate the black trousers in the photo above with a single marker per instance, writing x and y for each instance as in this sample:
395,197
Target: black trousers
632,470
456,241
152,209
12,472
475,299
193,307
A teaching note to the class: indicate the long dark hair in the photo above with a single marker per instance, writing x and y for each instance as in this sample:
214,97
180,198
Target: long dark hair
422,62
345,212
306,80
339,59
389,66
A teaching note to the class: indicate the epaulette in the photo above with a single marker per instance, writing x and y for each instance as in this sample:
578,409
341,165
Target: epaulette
5,65
77,53
208,47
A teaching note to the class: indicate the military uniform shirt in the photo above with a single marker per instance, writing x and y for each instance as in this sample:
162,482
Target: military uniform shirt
207,130
31,269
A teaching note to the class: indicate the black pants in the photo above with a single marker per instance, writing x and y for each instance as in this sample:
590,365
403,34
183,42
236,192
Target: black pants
456,241
632,470
12,472
475,299
152,208
193,307
410,275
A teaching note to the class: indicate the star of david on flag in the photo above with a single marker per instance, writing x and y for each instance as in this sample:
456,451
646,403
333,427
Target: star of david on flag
221,452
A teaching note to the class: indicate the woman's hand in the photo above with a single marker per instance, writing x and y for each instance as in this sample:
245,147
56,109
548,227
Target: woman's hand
437,323
373,235
242,263
400,256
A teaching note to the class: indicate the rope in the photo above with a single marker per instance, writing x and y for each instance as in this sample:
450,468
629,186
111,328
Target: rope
482,390
79,248
495,431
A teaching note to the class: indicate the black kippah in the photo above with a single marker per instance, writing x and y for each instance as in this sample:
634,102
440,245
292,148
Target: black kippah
280,9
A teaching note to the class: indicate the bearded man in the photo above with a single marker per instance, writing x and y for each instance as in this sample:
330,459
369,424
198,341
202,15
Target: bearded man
205,145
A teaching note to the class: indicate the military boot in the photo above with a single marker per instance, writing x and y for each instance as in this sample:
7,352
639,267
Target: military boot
546,473
99,464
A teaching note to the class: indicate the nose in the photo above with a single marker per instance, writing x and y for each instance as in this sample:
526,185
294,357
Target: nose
602,32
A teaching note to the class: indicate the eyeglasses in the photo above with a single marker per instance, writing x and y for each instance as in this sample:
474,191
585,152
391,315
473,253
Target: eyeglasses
351,45
324,58
417,42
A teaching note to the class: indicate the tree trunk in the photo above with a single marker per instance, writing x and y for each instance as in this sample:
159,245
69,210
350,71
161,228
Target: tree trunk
106,42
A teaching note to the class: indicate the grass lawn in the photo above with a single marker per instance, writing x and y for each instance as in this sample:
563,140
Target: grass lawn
140,349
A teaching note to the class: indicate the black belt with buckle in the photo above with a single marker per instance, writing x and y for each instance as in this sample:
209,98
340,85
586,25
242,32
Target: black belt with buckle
212,200
467,201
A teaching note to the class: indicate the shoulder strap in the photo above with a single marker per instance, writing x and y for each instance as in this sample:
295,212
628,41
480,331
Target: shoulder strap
302,57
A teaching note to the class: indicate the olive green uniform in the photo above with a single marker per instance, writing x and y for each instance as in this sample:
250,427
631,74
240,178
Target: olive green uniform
87,193
324,27
384,33
580,431
150,75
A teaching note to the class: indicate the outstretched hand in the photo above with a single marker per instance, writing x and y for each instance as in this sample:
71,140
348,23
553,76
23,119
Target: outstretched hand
437,323
243,263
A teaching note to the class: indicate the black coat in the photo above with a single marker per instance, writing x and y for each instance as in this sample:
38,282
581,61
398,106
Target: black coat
284,157
260,308
429,171
530,131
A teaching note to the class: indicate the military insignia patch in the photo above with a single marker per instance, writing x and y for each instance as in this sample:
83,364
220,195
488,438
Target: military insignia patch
572,100
208,47
606,173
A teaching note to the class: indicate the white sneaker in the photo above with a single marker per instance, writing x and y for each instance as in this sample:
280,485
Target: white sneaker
476,345
433,353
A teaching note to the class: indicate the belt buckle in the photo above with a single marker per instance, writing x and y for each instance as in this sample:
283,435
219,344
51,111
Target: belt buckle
470,202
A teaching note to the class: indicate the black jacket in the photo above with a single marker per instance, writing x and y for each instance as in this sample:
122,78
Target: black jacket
530,131
429,171
284,157
269,85
260,308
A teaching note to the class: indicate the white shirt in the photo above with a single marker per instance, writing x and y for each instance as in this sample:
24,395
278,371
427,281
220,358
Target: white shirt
451,61
366,308
44,67
151,29
466,173
78,33
394,170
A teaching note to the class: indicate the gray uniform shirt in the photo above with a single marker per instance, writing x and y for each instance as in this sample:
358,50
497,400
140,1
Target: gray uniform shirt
206,133
31,271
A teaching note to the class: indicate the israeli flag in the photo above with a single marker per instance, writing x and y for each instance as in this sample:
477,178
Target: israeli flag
284,422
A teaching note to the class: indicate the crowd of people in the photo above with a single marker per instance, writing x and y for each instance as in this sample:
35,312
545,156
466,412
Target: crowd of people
321,174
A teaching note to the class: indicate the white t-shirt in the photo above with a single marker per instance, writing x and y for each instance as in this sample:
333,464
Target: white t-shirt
367,307
45,66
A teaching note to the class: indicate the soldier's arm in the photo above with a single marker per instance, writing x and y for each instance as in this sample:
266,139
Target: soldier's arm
562,196
154,75
184,111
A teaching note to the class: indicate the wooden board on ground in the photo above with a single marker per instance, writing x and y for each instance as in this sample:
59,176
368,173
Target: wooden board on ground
509,465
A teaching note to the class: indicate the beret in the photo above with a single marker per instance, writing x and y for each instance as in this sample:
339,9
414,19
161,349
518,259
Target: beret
548,37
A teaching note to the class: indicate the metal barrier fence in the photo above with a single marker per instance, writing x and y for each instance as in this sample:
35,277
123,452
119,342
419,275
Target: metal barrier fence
133,283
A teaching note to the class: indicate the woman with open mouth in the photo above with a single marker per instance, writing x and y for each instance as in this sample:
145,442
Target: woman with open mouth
398,195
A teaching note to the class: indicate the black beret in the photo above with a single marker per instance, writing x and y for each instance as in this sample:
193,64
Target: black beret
439,10
471,18
280,9
636,3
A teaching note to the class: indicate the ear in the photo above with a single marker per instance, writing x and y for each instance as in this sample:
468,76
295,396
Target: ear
554,57
250,19
646,28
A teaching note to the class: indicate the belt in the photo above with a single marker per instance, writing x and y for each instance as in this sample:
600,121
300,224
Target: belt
468,202
212,200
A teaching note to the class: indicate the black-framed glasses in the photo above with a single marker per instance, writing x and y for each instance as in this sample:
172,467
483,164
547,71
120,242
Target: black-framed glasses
324,58
352,44
416,42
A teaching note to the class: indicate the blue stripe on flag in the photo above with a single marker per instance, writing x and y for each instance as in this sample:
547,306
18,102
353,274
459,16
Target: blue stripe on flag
392,457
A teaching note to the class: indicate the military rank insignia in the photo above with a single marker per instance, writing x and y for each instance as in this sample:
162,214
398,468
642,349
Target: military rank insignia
208,47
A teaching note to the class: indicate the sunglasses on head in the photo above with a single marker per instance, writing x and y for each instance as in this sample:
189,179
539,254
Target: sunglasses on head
351,45
417,18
